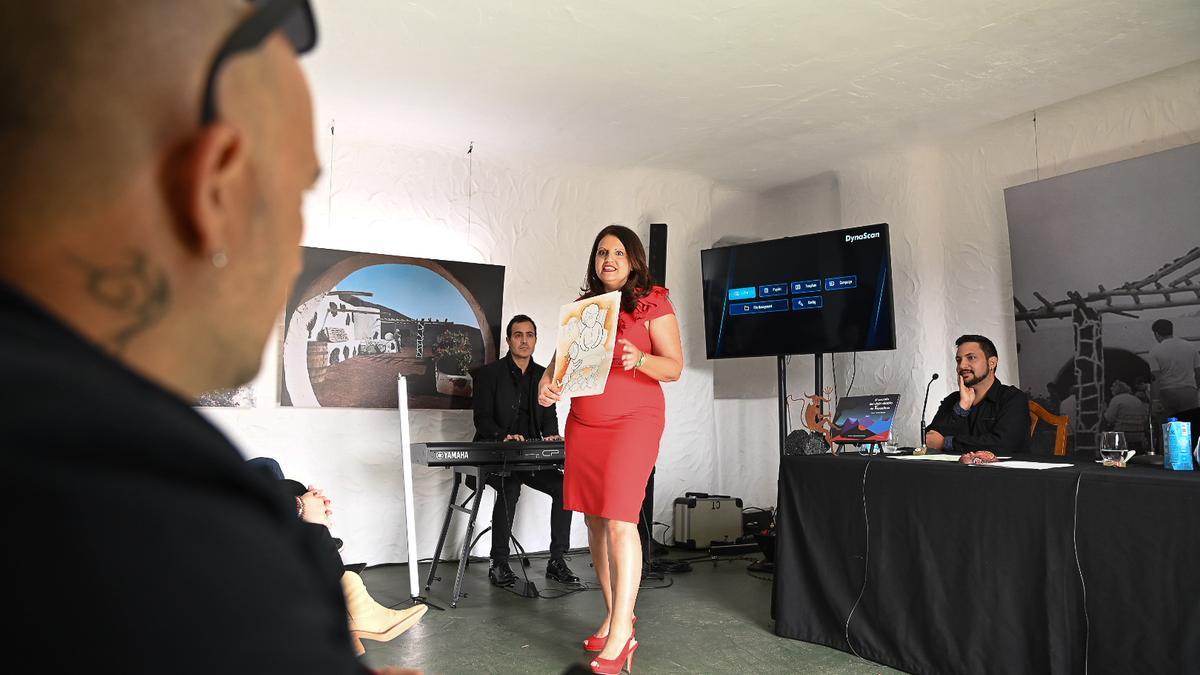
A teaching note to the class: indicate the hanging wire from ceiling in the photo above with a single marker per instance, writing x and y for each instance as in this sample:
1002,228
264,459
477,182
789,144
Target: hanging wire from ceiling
1037,165
329,191
470,184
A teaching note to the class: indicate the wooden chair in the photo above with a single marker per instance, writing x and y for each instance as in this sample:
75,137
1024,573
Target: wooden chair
1038,413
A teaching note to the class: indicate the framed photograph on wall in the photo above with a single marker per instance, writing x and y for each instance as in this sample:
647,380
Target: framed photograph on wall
1106,292
354,322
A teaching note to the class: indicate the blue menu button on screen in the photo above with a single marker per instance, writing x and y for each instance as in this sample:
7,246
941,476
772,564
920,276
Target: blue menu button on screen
806,286
807,302
747,293
760,307
840,283
771,290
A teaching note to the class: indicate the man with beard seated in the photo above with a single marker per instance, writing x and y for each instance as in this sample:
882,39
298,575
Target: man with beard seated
983,414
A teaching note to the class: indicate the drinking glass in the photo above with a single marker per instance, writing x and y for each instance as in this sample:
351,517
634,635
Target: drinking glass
1113,446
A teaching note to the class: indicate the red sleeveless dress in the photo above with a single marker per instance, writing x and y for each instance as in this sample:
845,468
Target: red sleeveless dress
612,438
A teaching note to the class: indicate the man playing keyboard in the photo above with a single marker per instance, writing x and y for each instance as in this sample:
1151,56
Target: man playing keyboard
505,409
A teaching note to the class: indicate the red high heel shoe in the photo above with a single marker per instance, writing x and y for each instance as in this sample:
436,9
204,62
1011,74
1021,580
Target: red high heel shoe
595,643
622,663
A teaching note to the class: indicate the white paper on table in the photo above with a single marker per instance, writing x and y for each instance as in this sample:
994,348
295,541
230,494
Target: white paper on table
1022,464
587,338
930,458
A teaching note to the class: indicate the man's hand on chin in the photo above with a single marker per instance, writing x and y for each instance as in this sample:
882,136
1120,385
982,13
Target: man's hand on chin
966,395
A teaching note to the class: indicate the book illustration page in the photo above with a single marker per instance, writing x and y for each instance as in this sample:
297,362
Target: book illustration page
587,337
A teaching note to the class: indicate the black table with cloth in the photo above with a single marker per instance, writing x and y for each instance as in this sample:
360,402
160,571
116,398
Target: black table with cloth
973,569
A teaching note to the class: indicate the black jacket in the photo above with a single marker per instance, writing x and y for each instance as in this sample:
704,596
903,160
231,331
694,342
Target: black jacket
495,401
153,545
1000,422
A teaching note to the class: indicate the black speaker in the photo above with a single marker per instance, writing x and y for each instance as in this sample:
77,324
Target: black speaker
657,259
658,253
646,522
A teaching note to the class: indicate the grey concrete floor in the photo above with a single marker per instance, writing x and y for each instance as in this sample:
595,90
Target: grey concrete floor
715,619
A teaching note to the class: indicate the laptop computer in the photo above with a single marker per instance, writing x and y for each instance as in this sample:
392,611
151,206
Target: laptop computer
862,420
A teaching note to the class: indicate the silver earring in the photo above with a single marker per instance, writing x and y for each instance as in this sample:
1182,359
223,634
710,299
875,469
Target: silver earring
219,259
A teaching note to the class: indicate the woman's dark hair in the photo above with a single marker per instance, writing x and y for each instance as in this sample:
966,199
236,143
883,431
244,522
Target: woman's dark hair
639,283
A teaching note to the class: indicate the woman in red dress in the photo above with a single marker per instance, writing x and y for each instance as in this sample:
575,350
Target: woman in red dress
612,438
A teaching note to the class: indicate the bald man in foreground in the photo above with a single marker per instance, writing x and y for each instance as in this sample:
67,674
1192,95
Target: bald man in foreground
156,155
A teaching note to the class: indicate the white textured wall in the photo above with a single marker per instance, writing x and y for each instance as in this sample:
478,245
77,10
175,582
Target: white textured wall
945,203
537,221
745,404
950,255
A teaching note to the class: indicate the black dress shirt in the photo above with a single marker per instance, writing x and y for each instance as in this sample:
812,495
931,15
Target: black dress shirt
999,422
505,402
155,547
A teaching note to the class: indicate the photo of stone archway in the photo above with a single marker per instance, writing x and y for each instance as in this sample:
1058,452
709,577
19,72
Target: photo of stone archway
355,322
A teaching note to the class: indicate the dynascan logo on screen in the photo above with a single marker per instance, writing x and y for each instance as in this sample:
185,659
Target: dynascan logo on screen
851,238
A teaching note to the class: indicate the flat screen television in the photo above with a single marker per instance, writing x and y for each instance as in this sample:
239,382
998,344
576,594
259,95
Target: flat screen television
820,293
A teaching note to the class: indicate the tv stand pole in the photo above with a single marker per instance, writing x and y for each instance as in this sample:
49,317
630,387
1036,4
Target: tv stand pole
818,383
818,378
783,404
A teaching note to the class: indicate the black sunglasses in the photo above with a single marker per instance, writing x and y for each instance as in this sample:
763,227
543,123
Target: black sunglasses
293,17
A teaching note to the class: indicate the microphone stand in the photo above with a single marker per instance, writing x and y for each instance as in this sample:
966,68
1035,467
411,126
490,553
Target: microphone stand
924,407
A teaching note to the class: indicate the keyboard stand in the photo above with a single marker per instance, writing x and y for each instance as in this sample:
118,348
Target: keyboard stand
481,474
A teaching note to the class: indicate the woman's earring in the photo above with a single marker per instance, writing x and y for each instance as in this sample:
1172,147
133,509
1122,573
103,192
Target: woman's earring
219,259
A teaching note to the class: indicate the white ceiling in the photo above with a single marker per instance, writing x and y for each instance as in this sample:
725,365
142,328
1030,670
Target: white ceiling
752,94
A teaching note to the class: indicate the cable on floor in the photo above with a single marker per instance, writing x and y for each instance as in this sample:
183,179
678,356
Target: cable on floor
1087,628
866,561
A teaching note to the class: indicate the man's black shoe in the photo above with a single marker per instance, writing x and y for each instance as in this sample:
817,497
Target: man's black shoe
501,575
557,570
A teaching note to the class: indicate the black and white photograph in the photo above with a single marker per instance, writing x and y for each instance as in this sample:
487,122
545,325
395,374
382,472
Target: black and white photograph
1106,287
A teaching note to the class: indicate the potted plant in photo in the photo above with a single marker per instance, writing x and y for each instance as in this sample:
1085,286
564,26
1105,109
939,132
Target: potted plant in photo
451,359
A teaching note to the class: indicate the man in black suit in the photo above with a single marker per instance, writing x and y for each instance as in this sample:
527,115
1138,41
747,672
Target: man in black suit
505,410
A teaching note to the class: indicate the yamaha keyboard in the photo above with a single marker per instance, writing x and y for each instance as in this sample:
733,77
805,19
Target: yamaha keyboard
487,453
